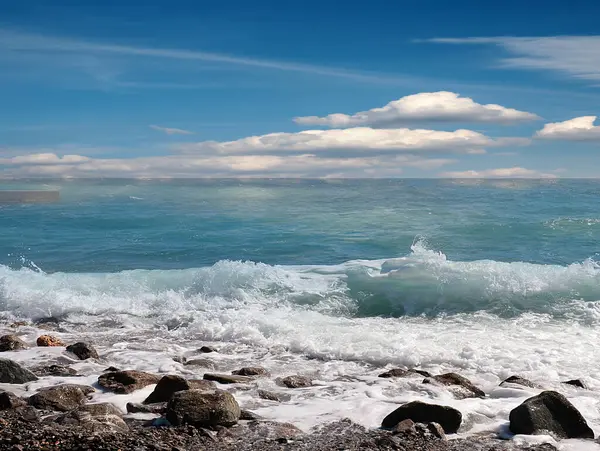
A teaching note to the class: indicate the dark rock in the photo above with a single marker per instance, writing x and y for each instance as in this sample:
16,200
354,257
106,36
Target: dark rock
465,388
296,381
49,341
111,369
95,418
11,343
203,409
171,384
399,372
207,349
227,379
49,320
420,412
83,351
519,381
62,397
576,383
160,408
270,396
251,371
13,373
436,430
124,382
54,370
549,412
9,400
246,415
204,363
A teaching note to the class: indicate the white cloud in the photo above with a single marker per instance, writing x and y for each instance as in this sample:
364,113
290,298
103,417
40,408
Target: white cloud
359,139
43,158
576,56
171,131
516,172
577,129
426,106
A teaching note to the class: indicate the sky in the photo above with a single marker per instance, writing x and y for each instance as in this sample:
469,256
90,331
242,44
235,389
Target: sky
427,88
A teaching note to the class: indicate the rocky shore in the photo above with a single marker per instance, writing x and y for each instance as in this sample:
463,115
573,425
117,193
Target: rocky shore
182,413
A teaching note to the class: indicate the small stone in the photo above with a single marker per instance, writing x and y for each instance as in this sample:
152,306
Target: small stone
124,382
296,381
436,430
405,426
11,343
270,396
207,349
576,383
399,372
251,371
518,380
203,409
9,400
465,388
62,397
227,379
111,369
180,359
13,373
18,324
159,408
49,341
83,351
420,412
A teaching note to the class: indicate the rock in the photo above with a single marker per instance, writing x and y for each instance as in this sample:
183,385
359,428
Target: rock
399,372
159,407
9,400
11,343
180,359
270,396
62,397
549,412
49,341
296,381
265,432
203,409
54,370
171,384
466,388
436,430
246,415
420,412
124,382
18,324
405,427
204,363
519,381
13,373
111,369
95,418
83,351
227,379
207,349
48,321
576,383
251,371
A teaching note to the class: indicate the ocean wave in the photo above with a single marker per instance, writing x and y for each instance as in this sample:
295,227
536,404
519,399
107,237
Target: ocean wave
423,283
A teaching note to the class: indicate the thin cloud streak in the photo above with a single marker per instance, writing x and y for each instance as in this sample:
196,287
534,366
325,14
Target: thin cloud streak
171,130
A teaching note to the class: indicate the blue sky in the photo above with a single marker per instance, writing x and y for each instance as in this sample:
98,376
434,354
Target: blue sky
196,89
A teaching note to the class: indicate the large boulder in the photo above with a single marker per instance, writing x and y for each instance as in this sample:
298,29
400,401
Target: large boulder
171,384
62,397
124,382
49,341
549,412
95,418
460,386
420,412
83,351
11,343
203,409
9,400
13,373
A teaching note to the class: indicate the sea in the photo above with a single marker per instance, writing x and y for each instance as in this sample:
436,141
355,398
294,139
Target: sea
339,280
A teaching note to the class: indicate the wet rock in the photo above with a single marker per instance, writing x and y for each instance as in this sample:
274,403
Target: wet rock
463,388
204,363
11,343
13,373
54,370
227,379
436,430
49,341
96,418
207,349
124,382
62,397
420,412
49,323
296,381
171,384
519,381
251,371
9,400
407,426
246,415
159,408
270,396
83,351
180,359
18,324
399,372
576,383
111,369
549,412
203,409
265,432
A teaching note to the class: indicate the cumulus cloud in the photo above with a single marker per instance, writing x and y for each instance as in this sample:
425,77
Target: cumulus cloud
516,172
171,131
365,140
577,129
43,158
426,106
